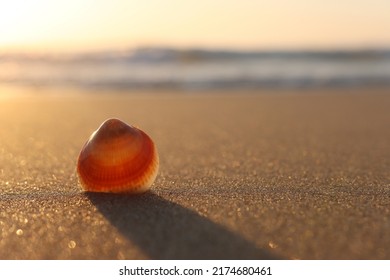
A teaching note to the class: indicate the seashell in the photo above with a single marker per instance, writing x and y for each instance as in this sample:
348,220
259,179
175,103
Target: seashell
118,158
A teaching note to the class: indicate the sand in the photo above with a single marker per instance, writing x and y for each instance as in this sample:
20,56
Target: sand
244,175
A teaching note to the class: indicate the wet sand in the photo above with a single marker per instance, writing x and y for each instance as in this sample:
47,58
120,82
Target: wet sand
256,175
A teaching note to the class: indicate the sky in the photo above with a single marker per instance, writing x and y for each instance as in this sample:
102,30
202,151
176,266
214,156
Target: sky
74,25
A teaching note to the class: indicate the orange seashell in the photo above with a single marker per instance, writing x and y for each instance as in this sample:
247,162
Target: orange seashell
118,158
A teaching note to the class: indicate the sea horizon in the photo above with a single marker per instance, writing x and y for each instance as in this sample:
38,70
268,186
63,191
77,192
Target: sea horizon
197,68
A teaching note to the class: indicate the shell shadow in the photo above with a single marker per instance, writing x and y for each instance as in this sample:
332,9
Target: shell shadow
166,230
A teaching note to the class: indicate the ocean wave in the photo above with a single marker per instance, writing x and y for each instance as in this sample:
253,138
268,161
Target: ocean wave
198,68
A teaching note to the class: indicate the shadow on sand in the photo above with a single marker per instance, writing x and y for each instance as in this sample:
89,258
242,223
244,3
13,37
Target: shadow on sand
166,230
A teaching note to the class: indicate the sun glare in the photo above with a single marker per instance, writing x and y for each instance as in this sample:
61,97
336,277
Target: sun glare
12,17
37,23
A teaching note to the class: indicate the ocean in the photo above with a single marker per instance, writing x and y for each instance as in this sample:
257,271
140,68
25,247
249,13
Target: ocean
197,69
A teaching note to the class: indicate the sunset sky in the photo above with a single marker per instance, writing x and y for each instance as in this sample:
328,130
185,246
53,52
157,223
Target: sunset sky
70,25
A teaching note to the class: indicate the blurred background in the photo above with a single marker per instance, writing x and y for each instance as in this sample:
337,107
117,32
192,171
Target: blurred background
194,45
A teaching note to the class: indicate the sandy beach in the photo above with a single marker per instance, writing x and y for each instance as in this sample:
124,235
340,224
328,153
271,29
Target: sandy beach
282,174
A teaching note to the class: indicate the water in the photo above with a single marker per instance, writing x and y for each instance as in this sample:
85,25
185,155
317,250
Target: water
198,69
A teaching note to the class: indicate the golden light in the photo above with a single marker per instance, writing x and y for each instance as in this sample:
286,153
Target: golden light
93,24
